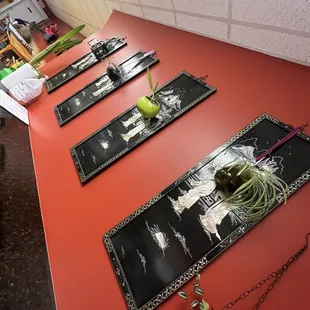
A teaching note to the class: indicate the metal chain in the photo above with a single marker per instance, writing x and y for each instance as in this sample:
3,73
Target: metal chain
276,276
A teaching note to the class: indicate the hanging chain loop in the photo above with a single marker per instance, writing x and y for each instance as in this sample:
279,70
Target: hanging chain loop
274,276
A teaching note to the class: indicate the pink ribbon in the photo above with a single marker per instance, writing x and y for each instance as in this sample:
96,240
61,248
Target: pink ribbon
294,132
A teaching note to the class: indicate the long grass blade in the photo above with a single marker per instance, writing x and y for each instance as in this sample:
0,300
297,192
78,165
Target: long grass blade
149,76
68,44
39,57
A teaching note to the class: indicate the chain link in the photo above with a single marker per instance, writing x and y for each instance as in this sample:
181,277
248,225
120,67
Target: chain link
276,276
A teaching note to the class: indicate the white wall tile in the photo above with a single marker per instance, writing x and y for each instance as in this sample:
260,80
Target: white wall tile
283,44
68,18
52,2
81,11
93,29
294,14
102,11
63,6
54,10
132,9
166,4
163,17
277,27
71,8
202,25
96,20
208,7
111,5
75,22
133,1
86,12
84,32
87,31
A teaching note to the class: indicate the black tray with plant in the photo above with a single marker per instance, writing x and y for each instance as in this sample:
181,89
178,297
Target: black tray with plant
182,229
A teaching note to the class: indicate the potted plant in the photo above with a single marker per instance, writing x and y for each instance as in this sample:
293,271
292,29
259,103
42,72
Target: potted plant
203,305
147,105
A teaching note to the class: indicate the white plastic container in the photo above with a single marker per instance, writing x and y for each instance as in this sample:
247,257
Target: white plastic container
24,72
27,90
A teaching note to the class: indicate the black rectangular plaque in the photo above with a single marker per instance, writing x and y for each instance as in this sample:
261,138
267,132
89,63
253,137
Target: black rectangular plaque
102,148
101,88
81,65
167,241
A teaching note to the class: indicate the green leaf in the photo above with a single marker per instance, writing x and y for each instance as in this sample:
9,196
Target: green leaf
39,57
199,291
205,305
155,88
183,295
194,303
71,33
196,283
68,44
197,276
149,76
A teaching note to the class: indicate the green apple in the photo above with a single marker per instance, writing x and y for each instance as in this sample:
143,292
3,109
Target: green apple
147,108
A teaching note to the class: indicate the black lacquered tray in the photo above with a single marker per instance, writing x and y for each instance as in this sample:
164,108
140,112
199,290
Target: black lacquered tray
102,148
81,65
101,88
167,241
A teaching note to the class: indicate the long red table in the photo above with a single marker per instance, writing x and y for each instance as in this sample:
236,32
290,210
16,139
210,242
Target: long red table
75,216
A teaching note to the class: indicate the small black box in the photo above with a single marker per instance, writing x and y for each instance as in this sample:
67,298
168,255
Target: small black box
99,48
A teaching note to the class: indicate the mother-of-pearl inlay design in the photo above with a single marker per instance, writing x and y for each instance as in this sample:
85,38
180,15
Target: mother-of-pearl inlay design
143,261
190,197
158,236
182,240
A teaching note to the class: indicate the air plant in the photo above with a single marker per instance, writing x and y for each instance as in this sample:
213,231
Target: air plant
153,88
203,305
113,72
249,187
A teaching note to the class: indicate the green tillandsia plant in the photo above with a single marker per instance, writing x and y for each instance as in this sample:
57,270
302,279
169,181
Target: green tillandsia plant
153,88
249,187
203,305
60,44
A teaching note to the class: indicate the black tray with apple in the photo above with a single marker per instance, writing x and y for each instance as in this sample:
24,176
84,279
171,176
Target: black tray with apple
109,143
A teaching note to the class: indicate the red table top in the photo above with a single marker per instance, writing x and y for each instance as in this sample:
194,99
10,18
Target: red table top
75,217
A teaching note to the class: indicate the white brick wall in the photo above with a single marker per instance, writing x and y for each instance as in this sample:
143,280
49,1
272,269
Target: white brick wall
132,9
210,28
287,45
166,4
111,5
290,14
277,27
206,7
159,16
